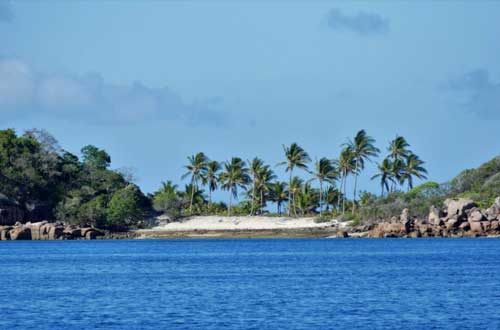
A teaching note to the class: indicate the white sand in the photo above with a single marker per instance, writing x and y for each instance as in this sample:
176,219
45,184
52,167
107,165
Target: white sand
241,223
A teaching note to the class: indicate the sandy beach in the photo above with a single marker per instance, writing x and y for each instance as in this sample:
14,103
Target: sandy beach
242,226
242,223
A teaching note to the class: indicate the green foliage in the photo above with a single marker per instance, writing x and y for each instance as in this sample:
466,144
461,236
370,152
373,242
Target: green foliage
481,184
95,157
126,208
34,170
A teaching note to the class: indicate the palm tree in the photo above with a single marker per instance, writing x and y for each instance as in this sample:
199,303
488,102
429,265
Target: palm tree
385,173
332,197
279,193
196,168
294,189
295,157
398,148
265,176
363,149
307,199
211,178
324,171
413,167
398,166
255,169
234,176
193,194
345,165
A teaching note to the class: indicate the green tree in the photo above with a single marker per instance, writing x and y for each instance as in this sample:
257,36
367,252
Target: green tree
345,165
363,149
167,200
196,168
211,178
279,194
332,197
398,148
234,176
95,157
324,171
385,173
413,167
295,157
294,189
265,178
255,170
126,208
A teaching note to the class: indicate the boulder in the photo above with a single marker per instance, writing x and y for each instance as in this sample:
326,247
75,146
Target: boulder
458,206
20,233
56,232
434,216
4,233
340,234
92,233
72,232
464,226
495,226
451,223
486,225
493,212
475,215
36,229
476,227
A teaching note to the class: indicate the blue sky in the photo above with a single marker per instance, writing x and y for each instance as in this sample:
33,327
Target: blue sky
153,82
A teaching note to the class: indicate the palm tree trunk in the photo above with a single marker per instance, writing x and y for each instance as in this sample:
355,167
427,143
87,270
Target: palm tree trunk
192,196
290,194
261,201
294,206
253,197
355,187
230,201
344,192
320,197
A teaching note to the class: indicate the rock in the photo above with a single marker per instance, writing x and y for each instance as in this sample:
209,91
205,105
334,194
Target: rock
92,233
4,233
434,216
56,232
475,215
493,212
72,232
36,229
405,215
495,226
451,223
464,226
476,227
458,206
486,225
342,234
20,233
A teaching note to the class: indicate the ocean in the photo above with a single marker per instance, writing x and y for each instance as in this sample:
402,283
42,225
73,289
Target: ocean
251,284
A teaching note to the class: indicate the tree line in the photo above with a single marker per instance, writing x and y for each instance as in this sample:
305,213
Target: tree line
47,182
257,181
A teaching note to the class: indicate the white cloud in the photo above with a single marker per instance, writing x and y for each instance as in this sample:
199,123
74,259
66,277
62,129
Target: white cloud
23,91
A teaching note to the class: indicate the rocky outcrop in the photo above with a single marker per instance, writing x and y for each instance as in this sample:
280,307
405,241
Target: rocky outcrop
47,231
459,218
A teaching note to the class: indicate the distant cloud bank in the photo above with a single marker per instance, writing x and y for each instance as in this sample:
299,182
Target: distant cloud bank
6,13
24,91
482,94
363,23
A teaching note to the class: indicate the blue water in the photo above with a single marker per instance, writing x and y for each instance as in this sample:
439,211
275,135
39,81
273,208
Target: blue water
251,284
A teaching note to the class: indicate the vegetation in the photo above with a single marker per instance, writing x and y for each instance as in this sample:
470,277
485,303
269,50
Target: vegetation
48,182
